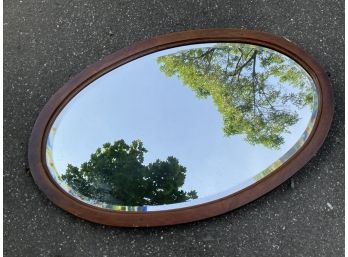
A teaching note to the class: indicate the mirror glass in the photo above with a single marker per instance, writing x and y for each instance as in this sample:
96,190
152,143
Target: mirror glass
181,127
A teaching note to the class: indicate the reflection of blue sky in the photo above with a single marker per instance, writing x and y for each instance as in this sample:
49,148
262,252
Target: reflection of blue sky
138,101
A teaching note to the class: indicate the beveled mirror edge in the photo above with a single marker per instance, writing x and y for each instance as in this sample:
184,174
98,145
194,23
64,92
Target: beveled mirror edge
170,217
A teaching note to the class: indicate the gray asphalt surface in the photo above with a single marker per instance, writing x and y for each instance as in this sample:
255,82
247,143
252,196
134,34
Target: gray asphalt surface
46,42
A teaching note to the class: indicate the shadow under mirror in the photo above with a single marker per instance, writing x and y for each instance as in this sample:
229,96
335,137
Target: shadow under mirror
181,127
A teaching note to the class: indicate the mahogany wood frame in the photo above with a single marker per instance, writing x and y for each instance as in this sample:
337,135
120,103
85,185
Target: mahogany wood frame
61,198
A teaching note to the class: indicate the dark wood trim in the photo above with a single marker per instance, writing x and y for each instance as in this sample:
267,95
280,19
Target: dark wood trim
57,195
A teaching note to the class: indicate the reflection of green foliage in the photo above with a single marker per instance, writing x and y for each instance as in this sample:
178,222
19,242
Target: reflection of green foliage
115,174
246,83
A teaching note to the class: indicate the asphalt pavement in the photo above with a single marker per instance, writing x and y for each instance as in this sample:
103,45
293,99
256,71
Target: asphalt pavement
46,42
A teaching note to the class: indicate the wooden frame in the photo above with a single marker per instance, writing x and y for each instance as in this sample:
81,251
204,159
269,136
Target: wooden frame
61,198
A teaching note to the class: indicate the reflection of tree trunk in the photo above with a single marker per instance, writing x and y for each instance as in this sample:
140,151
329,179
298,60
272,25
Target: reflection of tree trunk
254,80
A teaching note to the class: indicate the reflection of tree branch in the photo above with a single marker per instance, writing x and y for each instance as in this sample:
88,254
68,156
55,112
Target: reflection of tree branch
240,58
228,62
210,51
210,59
266,98
239,69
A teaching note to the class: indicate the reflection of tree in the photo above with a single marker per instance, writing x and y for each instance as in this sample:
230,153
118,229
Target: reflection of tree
115,174
246,83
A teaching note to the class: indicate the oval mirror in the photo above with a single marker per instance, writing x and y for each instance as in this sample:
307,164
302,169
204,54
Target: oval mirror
182,127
